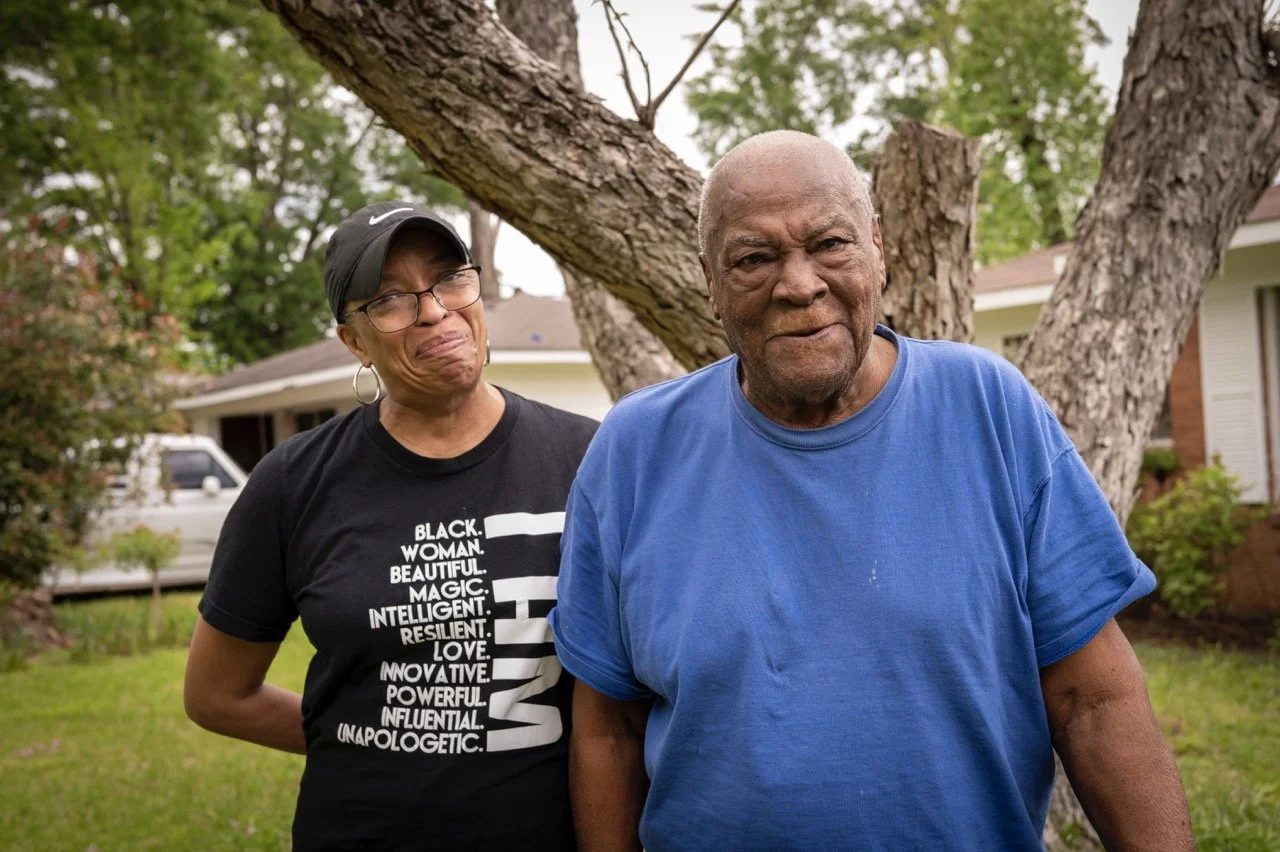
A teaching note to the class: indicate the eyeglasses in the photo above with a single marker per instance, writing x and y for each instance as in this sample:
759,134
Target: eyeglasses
453,291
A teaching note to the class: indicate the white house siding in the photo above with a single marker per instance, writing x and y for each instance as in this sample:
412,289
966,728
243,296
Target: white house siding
1231,366
992,327
572,387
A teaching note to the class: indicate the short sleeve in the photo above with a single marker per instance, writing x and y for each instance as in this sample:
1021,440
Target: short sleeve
247,595
586,620
1080,568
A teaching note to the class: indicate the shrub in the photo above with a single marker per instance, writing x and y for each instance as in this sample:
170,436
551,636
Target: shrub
1160,463
124,625
1186,535
78,390
151,551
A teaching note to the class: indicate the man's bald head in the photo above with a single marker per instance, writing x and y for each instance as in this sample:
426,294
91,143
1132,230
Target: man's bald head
765,154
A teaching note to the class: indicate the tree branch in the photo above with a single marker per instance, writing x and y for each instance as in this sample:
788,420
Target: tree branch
609,14
697,49
648,113
313,230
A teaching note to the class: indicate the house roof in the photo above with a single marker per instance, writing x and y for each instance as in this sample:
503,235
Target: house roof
522,323
1039,267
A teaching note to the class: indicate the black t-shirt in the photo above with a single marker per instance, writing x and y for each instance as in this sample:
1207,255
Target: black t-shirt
435,710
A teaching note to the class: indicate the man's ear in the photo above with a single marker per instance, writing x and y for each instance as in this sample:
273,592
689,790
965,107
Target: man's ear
711,288
352,340
877,239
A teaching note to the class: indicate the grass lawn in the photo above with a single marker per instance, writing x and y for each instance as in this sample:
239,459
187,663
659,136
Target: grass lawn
95,750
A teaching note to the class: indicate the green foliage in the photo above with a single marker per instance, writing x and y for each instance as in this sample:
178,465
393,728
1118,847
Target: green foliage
199,152
123,626
79,388
142,547
1009,71
1186,535
15,645
1160,462
1220,712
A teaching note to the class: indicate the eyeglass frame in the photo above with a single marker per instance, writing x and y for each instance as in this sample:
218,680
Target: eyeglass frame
417,294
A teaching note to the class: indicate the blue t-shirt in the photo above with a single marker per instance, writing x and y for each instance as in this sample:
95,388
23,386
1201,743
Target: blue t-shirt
841,628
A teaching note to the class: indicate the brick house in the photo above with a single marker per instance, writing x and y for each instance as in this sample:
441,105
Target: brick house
1224,392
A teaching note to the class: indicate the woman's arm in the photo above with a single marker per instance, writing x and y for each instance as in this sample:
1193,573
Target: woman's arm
226,691
607,779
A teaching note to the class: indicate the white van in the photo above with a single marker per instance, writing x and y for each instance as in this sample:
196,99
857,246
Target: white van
175,483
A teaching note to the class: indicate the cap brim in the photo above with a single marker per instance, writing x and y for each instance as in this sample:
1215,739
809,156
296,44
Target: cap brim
366,279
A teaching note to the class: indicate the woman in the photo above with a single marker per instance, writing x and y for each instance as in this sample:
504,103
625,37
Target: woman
417,538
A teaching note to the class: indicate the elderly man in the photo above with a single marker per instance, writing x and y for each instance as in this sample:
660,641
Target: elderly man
844,590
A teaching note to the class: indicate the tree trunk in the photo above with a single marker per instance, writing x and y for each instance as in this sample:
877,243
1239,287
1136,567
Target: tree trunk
925,185
1194,143
599,192
157,620
627,355
484,240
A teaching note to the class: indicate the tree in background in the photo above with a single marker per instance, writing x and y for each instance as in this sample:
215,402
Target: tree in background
78,390
1012,73
199,153
144,548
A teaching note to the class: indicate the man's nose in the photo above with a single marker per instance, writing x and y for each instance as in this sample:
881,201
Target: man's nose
799,283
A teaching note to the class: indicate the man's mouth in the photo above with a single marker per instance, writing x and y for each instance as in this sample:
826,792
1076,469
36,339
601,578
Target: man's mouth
815,333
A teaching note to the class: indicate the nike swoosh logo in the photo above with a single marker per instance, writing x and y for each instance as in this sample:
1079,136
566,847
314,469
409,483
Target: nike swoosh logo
373,220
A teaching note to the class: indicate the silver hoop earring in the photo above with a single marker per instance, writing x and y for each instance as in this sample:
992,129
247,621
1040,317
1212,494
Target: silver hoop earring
488,352
355,384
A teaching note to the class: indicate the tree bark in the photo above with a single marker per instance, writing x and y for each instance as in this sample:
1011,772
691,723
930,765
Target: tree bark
1194,143
925,185
627,356
599,192
484,240
625,359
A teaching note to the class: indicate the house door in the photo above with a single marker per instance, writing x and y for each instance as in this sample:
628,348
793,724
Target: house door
247,438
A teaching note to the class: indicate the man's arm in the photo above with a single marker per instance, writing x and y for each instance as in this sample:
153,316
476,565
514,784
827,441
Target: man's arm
1104,730
225,691
607,780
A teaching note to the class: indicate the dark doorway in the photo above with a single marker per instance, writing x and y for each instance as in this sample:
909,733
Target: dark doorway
248,438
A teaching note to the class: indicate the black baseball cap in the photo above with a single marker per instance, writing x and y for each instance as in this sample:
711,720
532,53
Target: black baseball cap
358,248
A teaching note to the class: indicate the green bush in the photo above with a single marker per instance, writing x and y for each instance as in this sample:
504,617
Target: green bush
124,626
1160,462
78,390
1187,534
143,547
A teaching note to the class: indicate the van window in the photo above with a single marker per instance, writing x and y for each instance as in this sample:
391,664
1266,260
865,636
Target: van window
186,469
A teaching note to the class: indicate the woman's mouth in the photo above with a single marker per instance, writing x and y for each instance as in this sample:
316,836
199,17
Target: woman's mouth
441,344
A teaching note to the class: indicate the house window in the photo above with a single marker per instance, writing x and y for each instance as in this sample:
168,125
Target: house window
1011,346
247,438
304,420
